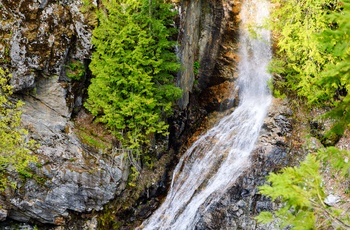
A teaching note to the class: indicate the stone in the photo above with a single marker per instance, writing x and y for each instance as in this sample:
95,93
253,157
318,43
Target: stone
3,214
91,224
40,40
53,95
220,97
331,200
203,26
22,82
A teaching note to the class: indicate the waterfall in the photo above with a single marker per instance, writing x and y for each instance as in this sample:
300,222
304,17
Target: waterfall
214,162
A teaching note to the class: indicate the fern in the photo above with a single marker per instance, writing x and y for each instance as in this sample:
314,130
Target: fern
301,192
337,159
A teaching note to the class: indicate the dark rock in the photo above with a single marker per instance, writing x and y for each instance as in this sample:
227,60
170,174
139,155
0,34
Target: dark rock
236,208
203,27
3,214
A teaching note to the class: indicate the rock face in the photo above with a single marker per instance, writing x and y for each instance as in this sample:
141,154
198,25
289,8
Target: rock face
39,36
38,40
207,39
236,209
207,47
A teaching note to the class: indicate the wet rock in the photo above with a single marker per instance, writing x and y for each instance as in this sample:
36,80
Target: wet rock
220,97
203,27
284,123
236,208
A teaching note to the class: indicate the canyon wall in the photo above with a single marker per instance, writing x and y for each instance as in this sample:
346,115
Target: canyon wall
40,39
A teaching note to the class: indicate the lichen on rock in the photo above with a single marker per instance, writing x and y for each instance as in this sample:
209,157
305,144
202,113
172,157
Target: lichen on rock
38,39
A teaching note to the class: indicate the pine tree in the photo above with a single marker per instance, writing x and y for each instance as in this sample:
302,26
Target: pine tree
133,63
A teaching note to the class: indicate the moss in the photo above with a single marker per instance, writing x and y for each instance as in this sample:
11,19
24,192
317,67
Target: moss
75,70
89,11
93,141
91,133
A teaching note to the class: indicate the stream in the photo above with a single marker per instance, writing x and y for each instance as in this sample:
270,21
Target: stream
214,162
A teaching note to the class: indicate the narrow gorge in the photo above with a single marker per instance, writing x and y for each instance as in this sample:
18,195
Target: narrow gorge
226,134
214,162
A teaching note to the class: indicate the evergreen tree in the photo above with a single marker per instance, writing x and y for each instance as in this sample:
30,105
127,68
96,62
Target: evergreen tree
313,53
133,63
296,25
313,56
14,146
334,80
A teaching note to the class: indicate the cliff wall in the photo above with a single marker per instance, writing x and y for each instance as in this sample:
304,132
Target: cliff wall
41,39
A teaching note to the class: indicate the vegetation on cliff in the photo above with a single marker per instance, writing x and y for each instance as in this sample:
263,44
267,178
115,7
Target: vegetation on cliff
312,58
134,63
14,145
313,53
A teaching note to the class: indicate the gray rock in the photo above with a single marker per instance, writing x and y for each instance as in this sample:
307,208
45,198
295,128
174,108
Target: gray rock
3,214
242,201
91,224
22,82
43,36
52,94
331,200
40,38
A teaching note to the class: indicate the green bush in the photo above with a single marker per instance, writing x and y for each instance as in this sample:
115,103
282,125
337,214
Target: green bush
301,191
133,64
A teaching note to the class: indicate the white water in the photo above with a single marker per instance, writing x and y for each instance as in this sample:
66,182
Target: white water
216,159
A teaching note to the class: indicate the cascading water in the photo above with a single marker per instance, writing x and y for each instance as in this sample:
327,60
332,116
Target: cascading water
213,163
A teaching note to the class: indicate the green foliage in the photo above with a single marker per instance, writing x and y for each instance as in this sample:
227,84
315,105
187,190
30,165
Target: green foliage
301,191
75,70
15,148
335,78
275,89
296,25
196,67
133,176
298,188
89,11
93,141
133,63
313,53
337,159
